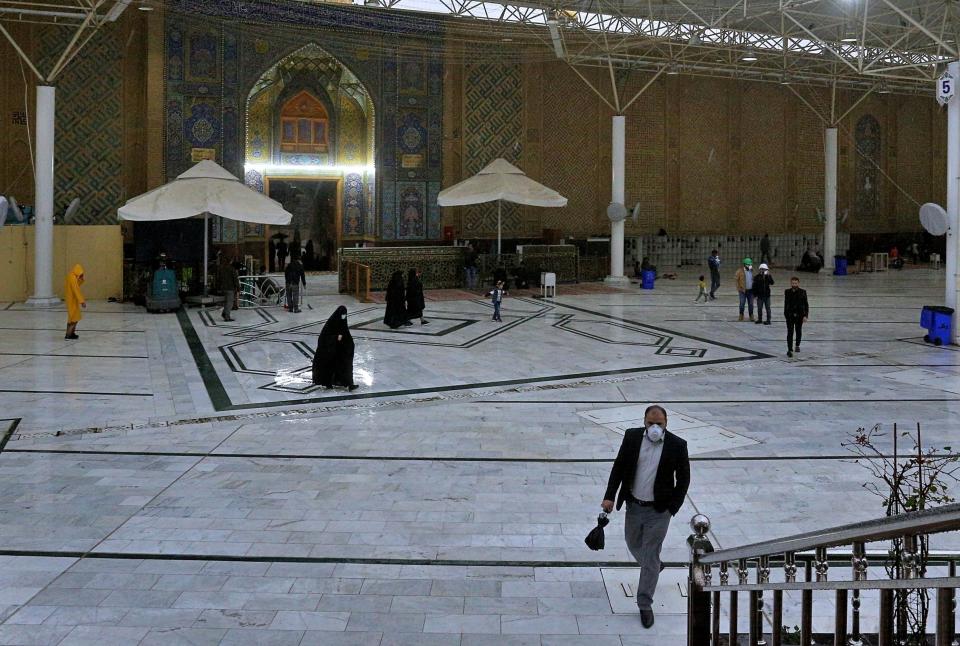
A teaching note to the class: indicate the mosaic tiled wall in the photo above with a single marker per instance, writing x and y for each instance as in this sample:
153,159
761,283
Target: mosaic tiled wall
492,128
442,267
412,104
704,156
217,51
89,153
95,146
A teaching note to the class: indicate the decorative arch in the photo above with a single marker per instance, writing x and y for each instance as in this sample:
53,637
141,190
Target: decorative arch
311,121
305,109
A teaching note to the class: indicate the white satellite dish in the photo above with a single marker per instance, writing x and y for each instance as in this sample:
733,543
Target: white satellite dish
15,211
71,210
934,219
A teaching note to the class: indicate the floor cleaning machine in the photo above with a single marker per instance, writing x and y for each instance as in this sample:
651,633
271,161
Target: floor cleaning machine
162,292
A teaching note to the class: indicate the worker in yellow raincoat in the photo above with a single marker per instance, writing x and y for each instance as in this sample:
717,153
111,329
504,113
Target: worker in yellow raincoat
75,300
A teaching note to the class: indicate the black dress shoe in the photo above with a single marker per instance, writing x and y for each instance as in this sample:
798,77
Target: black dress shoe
72,337
646,617
352,387
789,353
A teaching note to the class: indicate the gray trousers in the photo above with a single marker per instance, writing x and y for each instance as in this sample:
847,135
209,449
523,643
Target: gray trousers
644,530
228,297
293,296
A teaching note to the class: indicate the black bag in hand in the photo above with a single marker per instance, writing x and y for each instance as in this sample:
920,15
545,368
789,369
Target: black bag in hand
595,540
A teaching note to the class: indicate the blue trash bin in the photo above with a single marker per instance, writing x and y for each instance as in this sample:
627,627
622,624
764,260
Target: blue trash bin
938,321
647,278
839,265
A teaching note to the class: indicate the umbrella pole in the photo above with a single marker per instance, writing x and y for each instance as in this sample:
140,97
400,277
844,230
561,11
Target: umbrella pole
206,250
499,207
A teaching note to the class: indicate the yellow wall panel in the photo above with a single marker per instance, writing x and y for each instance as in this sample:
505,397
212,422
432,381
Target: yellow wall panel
99,248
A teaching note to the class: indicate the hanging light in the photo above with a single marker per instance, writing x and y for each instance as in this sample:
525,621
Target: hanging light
884,88
749,56
673,69
849,37
785,79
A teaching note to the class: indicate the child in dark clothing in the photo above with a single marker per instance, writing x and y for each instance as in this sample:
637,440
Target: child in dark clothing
497,294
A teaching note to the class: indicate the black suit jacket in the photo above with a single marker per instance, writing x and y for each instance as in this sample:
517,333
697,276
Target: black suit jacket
795,303
673,474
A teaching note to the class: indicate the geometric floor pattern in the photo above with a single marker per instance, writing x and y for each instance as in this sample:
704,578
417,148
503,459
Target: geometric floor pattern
171,479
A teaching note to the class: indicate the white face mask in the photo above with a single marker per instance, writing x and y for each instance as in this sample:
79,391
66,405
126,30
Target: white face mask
655,433
343,316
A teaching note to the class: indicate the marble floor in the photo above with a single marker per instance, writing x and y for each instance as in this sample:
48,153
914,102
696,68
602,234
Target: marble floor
175,479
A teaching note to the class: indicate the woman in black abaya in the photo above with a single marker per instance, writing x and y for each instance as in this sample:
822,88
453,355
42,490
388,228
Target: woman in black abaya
396,314
333,360
415,300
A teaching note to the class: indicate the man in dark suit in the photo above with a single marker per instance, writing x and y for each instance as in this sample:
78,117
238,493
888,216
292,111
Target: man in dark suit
795,310
652,473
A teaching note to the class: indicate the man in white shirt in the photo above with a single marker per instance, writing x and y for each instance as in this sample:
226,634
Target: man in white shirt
651,474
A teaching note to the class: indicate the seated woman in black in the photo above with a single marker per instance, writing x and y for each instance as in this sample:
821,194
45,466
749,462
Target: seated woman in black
520,280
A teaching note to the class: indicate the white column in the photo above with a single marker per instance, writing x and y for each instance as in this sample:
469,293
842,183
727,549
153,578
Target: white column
953,200
43,201
830,198
618,159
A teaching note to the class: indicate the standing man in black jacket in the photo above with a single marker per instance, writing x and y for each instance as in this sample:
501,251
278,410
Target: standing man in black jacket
795,310
294,276
652,474
761,289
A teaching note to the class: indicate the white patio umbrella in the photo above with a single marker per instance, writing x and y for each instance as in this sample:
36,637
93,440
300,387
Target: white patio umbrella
205,189
500,180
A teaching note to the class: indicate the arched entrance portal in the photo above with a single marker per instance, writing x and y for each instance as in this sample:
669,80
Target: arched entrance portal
310,146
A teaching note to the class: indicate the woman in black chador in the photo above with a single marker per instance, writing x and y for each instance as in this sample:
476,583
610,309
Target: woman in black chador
333,360
415,301
396,314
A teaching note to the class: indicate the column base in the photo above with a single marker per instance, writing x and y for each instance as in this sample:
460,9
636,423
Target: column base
42,301
617,280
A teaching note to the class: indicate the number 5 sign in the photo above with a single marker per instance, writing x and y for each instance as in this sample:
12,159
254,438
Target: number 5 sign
945,88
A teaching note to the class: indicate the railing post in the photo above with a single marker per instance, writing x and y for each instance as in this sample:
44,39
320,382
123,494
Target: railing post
776,632
953,605
840,620
944,616
885,629
806,609
698,601
733,630
855,638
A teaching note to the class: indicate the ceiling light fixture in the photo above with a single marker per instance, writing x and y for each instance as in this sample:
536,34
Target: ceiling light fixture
673,69
785,80
749,56
143,6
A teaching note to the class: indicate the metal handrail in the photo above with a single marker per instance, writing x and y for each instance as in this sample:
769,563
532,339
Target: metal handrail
929,521
874,584
705,596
